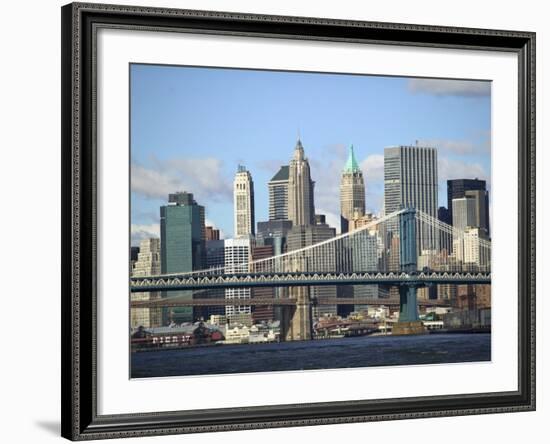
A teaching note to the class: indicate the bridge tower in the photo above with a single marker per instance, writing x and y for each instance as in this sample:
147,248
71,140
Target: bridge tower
296,320
409,323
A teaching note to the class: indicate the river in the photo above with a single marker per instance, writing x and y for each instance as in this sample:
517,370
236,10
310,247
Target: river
364,351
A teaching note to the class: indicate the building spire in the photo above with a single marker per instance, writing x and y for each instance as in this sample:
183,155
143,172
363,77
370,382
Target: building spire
351,165
299,151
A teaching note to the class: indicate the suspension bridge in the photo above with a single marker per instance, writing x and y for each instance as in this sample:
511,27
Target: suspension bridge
407,249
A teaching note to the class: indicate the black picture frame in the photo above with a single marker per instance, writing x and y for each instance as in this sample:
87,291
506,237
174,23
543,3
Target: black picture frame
79,209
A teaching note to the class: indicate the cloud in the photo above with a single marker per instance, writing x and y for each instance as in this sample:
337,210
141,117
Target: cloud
449,87
458,169
460,147
203,177
141,232
373,167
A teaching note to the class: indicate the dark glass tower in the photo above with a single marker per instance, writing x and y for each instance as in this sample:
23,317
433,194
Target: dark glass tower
182,236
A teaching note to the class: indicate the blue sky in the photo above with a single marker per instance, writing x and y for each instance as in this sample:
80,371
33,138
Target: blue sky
191,127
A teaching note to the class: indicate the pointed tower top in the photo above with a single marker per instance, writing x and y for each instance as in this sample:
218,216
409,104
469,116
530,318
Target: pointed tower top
299,151
351,165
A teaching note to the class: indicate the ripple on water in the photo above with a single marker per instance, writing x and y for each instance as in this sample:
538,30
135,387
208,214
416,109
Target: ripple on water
320,354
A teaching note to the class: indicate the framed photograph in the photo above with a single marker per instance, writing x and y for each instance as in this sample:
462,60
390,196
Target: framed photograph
275,221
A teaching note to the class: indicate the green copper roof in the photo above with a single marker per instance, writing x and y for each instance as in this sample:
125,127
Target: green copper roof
351,164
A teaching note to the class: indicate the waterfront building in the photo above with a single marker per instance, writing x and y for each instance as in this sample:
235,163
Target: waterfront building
278,195
483,295
457,188
236,259
240,319
352,192
243,203
301,209
182,245
147,263
217,320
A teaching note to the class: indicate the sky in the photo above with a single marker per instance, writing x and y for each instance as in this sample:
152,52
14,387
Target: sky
191,127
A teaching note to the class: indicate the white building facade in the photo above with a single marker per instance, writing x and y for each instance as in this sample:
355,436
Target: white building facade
237,256
243,203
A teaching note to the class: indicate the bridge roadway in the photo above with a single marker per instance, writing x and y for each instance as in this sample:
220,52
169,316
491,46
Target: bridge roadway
203,280
209,302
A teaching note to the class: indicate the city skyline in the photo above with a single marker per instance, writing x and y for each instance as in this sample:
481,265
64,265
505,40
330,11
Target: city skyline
157,171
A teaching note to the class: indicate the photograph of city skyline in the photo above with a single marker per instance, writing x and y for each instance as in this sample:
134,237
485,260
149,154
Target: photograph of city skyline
284,220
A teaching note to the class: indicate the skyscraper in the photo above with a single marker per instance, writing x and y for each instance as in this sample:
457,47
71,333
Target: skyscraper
243,203
410,179
147,264
301,209
278,195
481,206
352,192
302,236
457,188
182,243
464,213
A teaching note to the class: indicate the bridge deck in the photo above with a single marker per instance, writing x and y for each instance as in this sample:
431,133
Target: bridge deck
297,279
205,302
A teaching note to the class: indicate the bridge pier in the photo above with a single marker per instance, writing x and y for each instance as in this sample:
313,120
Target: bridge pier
296,320
409,323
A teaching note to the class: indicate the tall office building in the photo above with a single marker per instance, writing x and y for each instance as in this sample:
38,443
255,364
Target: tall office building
181,244
464,213
147,264
236,259
410,179
243,203
278,195
352,192
302,236
481,199
301,209
457,189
